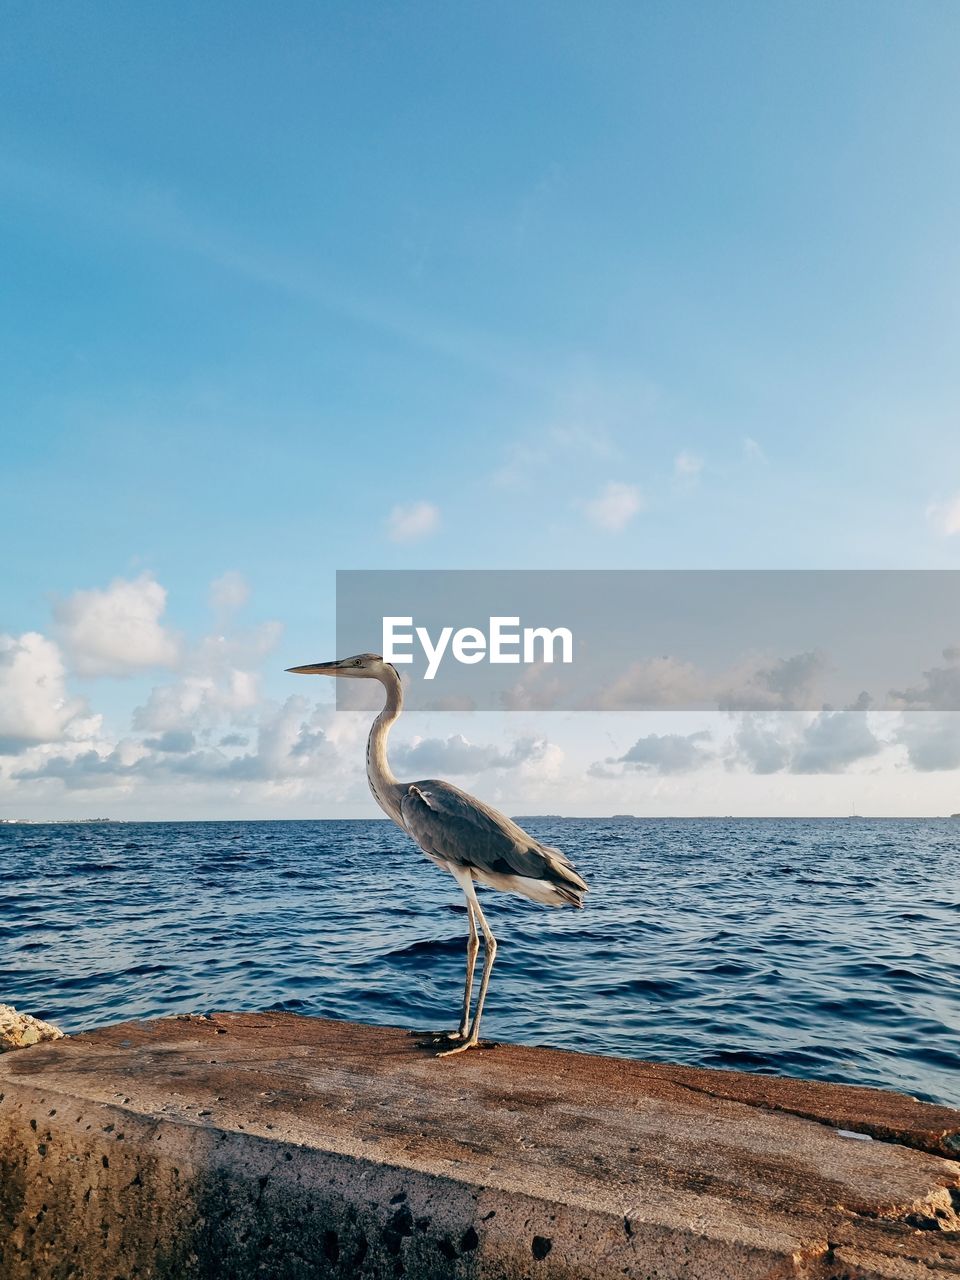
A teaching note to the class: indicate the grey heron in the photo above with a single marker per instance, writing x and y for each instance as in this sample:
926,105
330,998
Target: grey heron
459,833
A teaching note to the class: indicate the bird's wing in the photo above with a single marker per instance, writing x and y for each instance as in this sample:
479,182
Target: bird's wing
451,824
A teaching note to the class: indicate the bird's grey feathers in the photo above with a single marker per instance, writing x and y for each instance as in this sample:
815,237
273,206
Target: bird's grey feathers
454,826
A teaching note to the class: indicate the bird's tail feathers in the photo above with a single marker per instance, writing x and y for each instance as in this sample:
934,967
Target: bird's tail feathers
569,896
567,882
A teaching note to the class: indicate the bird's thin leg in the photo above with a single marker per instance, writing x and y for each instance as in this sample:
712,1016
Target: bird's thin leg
489,955
473,946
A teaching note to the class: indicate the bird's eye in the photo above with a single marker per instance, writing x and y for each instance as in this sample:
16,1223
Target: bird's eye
358,663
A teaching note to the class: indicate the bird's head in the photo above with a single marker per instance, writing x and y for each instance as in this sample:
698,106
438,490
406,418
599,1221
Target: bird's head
368,666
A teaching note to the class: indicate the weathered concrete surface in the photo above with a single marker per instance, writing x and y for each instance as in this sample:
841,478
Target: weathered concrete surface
275,1146
18,1030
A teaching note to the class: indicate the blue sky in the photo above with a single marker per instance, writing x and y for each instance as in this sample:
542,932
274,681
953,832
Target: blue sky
571,286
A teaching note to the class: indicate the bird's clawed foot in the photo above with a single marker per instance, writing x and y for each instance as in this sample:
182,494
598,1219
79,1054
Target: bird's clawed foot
460,1041
439,1037
460,1048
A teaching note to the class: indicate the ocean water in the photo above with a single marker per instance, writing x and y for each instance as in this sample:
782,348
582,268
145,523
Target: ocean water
819,948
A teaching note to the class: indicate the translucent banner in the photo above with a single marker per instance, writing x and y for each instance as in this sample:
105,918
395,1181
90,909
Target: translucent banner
523,640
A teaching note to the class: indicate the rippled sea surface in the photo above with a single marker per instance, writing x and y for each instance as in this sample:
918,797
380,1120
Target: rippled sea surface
822,948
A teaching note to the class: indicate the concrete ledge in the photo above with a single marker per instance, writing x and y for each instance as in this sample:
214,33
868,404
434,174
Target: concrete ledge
279,1147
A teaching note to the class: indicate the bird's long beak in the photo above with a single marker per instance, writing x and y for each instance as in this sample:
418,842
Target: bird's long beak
316,669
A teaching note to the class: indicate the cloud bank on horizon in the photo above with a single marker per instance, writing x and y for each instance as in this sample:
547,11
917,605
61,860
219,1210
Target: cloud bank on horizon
204,734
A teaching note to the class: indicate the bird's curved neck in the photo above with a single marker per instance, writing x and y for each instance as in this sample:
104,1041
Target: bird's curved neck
385,787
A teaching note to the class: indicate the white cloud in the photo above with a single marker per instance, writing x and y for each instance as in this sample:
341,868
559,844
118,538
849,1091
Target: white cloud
296,751
527,459
116,630
237,649
752,450
92,768
197,700
219,682
687,465
538,689
830,742
945,516
662,753
174,741
228,592
34,704
932,740
615,506
760,746
833,741
216,693
939,689
787,684
658,682
406,523
426,757
668,682
292,742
